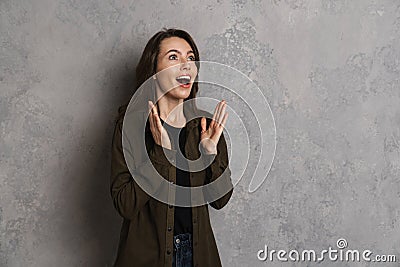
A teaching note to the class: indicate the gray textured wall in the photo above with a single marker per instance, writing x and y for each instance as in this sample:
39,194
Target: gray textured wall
330,70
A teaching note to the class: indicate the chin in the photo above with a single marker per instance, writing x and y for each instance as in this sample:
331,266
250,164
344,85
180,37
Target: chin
187,93
183,96
181,93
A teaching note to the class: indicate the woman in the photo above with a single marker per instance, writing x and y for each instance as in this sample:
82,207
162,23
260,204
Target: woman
154,233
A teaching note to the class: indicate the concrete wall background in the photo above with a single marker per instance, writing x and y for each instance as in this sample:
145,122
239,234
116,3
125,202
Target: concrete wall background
330,70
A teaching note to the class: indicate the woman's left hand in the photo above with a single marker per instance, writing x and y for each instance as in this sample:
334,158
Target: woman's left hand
209,137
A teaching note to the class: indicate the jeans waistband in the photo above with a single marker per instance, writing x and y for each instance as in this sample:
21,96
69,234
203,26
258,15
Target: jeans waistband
184,239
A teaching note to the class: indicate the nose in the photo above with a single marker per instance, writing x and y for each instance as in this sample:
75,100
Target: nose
185,64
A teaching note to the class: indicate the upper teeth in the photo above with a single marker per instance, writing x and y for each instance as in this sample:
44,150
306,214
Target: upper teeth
184,77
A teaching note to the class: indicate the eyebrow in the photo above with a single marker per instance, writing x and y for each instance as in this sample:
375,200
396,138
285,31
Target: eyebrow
174,50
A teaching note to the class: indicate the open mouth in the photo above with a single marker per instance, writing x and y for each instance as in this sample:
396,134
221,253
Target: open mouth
183,79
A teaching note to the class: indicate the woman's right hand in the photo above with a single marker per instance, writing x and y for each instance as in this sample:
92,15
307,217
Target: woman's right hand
159,133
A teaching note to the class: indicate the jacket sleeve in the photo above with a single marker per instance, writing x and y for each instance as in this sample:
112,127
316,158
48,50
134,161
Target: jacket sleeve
219,169
128,197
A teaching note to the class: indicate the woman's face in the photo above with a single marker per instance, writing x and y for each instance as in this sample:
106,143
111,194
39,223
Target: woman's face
175,51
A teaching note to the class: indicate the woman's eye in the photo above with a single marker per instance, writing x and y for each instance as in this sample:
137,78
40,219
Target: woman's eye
172,56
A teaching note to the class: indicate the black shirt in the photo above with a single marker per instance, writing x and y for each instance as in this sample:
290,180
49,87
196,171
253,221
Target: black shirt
182,215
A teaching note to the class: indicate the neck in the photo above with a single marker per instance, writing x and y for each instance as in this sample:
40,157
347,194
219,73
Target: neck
166,105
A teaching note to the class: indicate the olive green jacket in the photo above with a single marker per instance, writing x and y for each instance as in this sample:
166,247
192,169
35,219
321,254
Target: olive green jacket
146,237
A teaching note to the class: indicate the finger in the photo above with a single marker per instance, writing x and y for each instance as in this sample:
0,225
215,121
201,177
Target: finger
151,114
154,114
203,124
153,118
221,113
220,106
150,105
215,116
155,110
157,120
224,120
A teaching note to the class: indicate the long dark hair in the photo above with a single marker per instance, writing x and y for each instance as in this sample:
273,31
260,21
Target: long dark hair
147,65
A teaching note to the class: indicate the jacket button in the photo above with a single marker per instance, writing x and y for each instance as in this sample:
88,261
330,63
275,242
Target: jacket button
194,221
168,251
195,243
169,228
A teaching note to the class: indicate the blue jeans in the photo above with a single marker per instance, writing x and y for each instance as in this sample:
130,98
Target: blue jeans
183,250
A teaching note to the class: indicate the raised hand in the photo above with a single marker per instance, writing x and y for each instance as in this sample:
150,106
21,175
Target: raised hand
159,133
209,137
